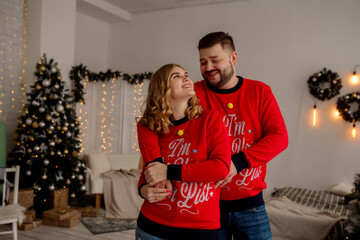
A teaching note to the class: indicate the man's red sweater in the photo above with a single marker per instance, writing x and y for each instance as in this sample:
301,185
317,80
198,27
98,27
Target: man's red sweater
257,134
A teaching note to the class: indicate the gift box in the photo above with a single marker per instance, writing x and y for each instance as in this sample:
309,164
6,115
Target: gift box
29,226
61,217
89,211
68,222
29,216
60,198
25,197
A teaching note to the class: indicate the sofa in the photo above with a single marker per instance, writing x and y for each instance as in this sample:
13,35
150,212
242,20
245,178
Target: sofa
99,163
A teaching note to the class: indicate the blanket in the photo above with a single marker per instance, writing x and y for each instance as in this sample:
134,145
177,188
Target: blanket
292,221
120,194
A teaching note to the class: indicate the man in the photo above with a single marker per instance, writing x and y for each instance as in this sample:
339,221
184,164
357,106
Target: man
257,134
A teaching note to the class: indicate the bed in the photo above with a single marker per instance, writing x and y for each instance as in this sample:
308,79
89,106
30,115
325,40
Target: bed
299,214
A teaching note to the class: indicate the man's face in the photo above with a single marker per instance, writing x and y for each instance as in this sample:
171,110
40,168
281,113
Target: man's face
217,65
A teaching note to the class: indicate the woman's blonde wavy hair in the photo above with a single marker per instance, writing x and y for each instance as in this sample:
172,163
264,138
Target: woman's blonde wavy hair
158,111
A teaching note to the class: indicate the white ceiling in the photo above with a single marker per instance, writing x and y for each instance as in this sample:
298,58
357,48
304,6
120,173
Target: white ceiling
141,6
113,11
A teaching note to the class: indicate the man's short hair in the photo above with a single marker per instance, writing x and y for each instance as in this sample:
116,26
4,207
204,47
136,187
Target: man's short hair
213,38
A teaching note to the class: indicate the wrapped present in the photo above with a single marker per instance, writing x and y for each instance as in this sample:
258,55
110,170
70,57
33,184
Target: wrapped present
29,216
25,197
67,222
60,198
29,226
89,211
60,214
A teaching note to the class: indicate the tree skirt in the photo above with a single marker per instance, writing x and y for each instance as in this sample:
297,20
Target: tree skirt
101,225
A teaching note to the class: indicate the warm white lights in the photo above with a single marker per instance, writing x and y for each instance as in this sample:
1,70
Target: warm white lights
314,116
354,131
355,77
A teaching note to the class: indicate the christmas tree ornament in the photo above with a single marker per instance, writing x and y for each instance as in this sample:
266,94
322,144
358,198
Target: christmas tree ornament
38,87
58,127
52,187
56,86
44,176
48,118
46,83
29,150
68,134
53,70
28,173
29,162
28,121
35,124
42,68
42,124
83,188
36,148
41,109
67,106
66,151
31,138
60,108
52,128
68,181
73,195
52,153
46,162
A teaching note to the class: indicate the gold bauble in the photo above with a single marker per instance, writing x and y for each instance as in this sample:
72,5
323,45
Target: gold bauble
35,125
72,125
49,131
52,153
48,117
59,77
67,106
72,195
29,150
59,140
31,138
65,128
51,96
26,110
66,151
23,125
74,153
42,68
68,181
37,87
58,127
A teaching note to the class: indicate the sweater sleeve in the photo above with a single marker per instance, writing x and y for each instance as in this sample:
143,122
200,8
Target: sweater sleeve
149,148
275,137
217,166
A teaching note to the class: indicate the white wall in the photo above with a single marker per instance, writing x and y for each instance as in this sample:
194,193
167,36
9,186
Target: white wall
279,42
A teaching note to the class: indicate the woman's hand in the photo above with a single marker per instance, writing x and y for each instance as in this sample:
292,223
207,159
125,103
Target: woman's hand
155,172
153,194
164,184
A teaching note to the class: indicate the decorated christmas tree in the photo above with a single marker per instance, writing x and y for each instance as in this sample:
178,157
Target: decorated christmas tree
48,141
353,226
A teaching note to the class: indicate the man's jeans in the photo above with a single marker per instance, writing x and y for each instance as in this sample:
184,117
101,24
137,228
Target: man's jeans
251,224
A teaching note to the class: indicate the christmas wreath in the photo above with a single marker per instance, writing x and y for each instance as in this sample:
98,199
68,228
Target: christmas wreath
344,105
325,84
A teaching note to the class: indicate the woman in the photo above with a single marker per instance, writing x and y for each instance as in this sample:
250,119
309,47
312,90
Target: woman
188,146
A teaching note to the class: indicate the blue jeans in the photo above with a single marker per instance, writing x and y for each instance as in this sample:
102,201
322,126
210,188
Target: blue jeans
251,224
142,235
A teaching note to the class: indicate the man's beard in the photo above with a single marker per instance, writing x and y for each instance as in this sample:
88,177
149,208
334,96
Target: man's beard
225,76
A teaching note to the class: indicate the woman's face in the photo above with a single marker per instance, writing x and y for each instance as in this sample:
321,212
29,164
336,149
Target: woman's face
182,87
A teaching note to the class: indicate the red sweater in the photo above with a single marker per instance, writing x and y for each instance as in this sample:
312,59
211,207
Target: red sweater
257,134
197,158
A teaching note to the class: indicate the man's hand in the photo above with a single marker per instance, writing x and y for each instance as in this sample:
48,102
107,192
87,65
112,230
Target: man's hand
232,173
153,194
155,172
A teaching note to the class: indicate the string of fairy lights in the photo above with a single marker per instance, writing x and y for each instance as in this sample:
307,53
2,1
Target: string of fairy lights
13,43
138,100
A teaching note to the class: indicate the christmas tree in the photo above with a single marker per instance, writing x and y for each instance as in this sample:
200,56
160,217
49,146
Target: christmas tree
353,225
48,141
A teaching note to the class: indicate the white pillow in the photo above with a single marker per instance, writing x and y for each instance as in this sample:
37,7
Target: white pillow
342,189
98,163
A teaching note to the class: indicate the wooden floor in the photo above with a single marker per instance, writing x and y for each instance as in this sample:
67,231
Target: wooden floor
77,232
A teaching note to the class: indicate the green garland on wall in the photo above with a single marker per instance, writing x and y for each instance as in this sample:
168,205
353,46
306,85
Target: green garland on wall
80,72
